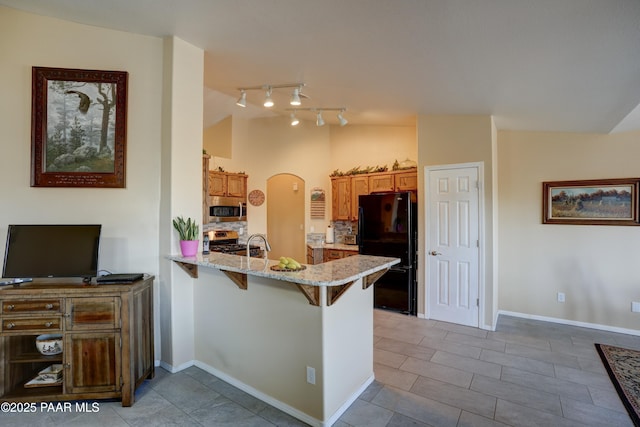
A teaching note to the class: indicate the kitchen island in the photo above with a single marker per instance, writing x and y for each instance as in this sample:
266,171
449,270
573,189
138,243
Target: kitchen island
299,341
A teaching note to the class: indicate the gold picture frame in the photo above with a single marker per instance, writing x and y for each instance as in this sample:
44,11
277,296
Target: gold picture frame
591,202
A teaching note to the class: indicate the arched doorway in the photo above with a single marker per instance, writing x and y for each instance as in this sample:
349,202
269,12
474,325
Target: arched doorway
285,217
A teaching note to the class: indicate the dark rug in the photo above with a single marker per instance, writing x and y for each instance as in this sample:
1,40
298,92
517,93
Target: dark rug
623,366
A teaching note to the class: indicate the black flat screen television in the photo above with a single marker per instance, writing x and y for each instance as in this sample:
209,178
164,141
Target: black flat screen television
51,251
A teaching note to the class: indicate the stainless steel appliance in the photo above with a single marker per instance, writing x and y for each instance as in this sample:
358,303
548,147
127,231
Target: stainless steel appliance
226,241
225,209
350,239
387,227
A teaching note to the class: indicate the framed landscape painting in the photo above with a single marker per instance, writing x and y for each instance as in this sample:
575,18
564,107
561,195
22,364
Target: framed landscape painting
591,202
78,128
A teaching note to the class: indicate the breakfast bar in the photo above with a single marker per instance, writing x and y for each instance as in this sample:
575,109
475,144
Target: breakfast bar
300,341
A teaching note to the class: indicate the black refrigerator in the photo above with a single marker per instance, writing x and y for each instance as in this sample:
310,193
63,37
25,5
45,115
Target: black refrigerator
387,227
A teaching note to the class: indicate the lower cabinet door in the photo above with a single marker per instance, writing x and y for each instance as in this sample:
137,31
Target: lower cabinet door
92,362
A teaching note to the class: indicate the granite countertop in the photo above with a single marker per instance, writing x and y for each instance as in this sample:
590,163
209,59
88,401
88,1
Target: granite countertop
332,273
339,246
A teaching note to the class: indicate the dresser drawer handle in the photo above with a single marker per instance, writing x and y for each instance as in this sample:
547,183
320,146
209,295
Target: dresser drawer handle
11,325
11,307
48,306
48,324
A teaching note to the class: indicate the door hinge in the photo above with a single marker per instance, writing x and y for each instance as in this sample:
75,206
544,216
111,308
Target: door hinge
477,302
120,342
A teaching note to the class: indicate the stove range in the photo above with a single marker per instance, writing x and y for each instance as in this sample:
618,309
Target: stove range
226,241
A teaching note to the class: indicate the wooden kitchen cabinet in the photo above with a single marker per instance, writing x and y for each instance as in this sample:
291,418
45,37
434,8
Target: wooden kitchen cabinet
381,182
227,184
406,181
107,335
345,190
359,186
331,254
237,185
341,199
314,255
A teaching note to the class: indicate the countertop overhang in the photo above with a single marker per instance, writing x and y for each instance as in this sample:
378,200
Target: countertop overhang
336,276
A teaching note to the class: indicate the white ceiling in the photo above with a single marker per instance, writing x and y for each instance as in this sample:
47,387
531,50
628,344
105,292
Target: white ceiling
554,65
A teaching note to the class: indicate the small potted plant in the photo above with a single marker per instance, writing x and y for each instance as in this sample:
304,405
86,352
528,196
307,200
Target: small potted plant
189,231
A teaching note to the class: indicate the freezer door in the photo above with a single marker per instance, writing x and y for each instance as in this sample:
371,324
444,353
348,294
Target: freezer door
396,290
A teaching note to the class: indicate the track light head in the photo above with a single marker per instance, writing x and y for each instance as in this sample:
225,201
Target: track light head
341,119
268,102
295,97
242,101
294,120
319,119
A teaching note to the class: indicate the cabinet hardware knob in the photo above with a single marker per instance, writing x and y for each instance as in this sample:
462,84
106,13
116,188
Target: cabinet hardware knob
11,325
48,306
11,307
67,365
48,324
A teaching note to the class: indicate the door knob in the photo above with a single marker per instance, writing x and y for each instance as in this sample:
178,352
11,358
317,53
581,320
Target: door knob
434,253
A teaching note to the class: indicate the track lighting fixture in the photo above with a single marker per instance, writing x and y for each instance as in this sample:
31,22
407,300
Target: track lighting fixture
319,120
294,120
296,95
242,101
268,102
341,119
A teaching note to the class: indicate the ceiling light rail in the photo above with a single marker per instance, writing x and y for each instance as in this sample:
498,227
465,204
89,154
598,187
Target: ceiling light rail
296,95
319,111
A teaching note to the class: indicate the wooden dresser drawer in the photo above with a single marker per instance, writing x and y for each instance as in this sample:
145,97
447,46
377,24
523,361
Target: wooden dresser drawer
31,306
44,324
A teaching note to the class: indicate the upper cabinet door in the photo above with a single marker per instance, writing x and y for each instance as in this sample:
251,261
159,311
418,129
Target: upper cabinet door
237,186
407,181
359,186
217,183
382,182
341,198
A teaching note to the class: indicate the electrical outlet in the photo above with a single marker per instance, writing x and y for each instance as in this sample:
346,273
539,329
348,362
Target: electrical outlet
311,375
560,296
635,306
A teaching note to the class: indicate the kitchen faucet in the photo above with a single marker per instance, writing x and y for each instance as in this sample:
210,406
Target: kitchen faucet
267,246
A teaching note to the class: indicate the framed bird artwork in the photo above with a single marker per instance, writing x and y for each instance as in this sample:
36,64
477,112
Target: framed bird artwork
78,128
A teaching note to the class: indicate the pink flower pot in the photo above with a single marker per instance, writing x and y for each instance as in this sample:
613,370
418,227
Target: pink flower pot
189,247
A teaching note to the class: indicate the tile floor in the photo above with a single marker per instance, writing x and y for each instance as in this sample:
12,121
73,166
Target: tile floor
428,373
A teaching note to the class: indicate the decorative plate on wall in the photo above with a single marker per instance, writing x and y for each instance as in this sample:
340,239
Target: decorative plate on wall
256,197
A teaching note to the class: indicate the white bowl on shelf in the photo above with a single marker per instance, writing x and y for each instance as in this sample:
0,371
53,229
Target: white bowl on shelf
49,344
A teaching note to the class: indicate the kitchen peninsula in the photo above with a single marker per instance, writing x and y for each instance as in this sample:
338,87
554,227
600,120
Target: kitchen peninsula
300,341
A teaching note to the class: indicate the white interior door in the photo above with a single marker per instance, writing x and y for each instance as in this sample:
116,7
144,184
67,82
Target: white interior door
453,245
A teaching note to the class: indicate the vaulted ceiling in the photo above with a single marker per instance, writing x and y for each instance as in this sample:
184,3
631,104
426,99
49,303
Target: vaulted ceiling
551,65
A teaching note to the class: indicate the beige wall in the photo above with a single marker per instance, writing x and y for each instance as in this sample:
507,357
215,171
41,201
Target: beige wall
217,138
360,145
593,265
267,147
445,140
181,192
129,215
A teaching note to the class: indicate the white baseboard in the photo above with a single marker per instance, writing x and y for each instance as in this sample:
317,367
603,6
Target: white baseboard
173,369
281,405
571,322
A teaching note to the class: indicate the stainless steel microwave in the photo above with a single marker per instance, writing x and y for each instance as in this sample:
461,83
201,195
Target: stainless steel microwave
226,209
